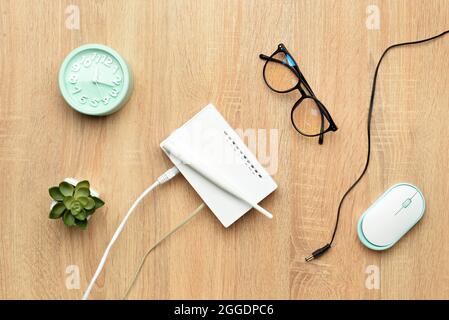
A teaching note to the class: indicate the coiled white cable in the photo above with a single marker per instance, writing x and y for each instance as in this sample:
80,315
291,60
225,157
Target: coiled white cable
168,175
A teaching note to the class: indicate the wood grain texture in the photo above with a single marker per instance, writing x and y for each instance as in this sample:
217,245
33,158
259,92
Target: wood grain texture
185,54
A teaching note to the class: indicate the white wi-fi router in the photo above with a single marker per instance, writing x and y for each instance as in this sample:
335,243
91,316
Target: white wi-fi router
210,139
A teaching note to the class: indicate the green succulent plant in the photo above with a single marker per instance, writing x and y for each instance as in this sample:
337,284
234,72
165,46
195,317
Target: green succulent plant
73,203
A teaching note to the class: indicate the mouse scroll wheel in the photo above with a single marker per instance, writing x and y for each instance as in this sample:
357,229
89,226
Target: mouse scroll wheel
406,203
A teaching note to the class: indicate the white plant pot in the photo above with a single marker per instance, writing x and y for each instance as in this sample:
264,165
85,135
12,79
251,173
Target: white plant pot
74,182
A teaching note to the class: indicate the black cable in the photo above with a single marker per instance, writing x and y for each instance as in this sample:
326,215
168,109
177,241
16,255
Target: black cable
323,249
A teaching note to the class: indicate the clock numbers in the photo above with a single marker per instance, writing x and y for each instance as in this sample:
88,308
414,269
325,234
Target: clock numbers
93,102
73,78
108,62
114,93
117,80
76,89
87,62
100,58
76,67
114,68
105,100
83,99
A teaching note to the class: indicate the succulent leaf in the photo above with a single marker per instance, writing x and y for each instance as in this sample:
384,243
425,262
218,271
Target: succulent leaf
55,194
84,201
82,192
82,184
98,202
82,215
82,224
68,202
90,204
57,211
76,207
68,219
66,189
90,211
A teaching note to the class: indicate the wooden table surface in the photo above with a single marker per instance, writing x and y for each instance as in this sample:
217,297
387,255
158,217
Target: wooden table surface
185,54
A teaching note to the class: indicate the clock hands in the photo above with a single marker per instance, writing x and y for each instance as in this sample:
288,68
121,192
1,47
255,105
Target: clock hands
105,83
96,78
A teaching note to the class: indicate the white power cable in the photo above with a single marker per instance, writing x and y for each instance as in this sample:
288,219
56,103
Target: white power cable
168,175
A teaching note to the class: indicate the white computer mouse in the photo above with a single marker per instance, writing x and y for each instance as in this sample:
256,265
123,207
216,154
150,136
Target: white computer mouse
391,216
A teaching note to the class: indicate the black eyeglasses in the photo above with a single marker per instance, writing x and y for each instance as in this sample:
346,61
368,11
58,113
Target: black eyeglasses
309,116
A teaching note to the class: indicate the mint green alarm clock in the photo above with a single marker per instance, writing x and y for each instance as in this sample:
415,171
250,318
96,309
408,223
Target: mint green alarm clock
95,80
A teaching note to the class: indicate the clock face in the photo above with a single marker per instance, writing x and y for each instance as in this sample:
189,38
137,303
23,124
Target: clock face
95,80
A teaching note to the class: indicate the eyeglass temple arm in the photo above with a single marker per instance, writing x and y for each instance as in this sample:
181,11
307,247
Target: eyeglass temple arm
325,114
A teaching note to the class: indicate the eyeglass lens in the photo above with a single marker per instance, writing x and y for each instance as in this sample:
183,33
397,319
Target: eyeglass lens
278,76
308,118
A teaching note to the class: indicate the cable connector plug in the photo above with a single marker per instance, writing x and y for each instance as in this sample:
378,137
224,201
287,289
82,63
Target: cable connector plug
168,175
318,252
